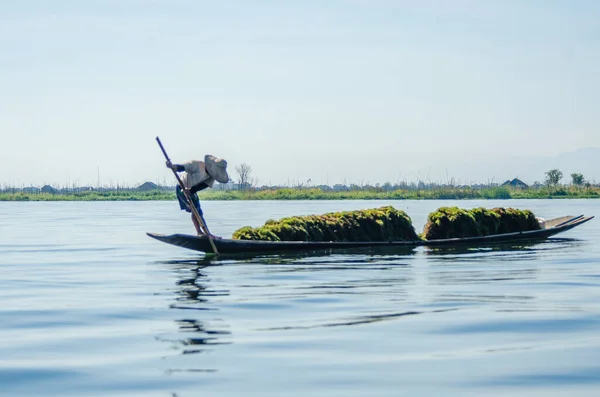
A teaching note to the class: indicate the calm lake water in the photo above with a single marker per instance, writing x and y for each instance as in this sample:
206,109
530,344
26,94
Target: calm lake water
91,306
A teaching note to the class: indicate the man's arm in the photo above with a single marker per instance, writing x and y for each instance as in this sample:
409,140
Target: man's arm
176,167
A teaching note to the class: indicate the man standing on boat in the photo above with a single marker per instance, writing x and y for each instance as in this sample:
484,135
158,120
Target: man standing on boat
198,176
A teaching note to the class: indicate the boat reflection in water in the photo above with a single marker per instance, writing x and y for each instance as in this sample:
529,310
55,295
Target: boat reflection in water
510,250
406,281
455,272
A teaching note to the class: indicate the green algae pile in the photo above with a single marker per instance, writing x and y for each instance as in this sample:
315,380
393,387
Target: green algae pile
454,222
379,224
390,224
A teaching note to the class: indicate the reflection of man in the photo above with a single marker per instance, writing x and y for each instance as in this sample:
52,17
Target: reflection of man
198,332
198,176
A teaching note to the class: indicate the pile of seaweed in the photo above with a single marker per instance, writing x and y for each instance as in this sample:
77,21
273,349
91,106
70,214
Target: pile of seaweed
454,222
379,224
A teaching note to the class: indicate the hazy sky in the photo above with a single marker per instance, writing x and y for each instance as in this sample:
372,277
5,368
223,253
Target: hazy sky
354,90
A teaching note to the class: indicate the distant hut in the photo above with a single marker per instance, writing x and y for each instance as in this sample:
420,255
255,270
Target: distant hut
48,189
516,183
340,188
147,186
31,189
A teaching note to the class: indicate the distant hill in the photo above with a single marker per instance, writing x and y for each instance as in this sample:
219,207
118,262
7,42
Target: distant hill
529,169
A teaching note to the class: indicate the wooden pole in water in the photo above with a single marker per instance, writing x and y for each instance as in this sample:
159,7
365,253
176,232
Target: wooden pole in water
189,199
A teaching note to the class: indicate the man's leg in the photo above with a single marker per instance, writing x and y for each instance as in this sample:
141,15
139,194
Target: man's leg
197,224
183,204
201,230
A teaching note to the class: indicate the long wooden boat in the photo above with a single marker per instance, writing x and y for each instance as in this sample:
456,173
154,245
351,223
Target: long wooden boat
230,246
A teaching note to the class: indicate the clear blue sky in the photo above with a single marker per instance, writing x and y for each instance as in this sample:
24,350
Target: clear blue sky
361,91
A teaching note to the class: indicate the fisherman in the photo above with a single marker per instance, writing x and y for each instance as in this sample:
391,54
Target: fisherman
198,176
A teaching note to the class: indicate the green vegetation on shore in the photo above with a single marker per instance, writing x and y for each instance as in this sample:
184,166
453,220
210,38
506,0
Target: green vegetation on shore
438,193
441,193
120,195
245,189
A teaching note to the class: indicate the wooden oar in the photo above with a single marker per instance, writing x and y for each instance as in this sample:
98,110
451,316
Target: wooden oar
189,199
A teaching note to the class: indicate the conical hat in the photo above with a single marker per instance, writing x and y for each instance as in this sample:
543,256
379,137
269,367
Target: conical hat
217,168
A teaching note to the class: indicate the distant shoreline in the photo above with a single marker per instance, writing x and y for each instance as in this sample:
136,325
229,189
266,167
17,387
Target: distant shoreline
445,193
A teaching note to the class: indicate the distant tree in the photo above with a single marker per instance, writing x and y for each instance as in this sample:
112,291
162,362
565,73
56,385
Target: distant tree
577,179
553,177
244,171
